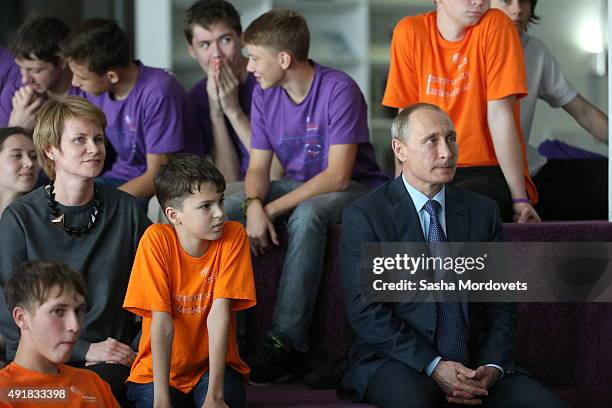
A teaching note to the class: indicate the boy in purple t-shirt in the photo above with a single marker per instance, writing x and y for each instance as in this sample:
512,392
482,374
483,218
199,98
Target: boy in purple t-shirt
314,119
44,73
148,112
222,100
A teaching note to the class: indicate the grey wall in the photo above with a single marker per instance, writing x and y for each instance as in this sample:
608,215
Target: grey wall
562,28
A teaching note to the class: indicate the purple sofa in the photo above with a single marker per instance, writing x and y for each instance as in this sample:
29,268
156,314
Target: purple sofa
566,346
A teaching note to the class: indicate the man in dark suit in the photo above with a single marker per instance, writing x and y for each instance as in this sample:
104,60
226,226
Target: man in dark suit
414,354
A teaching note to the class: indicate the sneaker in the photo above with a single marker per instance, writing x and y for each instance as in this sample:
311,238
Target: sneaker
270,364
328,377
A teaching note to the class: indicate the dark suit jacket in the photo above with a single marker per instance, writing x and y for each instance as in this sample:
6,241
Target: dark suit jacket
405,332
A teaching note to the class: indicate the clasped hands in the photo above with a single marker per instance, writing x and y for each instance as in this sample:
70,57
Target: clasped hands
462,385
26,103
222,88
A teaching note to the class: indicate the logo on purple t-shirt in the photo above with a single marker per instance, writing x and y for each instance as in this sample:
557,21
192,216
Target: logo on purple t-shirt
313,145
130,123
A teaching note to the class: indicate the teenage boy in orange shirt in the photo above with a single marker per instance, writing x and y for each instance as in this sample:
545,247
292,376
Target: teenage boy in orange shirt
47,300
188,280
468,60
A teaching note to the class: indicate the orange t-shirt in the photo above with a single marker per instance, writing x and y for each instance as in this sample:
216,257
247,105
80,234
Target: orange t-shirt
72,387
460,77
165,278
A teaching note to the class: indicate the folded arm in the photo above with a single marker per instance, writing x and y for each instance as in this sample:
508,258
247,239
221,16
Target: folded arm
142,186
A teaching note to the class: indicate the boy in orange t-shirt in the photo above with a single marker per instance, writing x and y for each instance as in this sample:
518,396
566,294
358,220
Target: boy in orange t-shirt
47,300
469,62
188,280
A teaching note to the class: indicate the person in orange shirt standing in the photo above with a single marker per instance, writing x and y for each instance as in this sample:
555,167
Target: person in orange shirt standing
468,61
188,280
47,301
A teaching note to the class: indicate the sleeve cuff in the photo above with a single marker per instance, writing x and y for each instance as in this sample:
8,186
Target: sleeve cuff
567,98
501,370
79,350
432,366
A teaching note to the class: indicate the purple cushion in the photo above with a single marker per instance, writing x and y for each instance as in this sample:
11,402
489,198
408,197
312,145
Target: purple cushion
556,149
572,231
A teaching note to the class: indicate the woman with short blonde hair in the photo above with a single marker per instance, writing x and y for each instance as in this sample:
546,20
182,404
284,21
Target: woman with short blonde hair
93,229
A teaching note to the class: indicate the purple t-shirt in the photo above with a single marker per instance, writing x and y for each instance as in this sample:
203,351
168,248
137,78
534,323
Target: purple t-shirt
333,112
10,81
155,118
199,99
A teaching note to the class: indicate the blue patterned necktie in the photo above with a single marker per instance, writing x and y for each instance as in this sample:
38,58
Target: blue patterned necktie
451,336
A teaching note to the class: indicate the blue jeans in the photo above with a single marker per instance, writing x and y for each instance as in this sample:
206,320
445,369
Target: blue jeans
303,266
141,395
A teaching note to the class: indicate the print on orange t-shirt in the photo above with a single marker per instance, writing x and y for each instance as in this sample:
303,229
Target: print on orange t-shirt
72,387
460,77
165,278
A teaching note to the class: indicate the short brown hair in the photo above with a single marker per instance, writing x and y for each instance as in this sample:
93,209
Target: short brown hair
99,44
206,13
533,18
281,30
39,38
400,128
5,133
50,121
182,175
31,282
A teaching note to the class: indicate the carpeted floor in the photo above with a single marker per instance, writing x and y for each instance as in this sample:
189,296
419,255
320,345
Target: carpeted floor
295,395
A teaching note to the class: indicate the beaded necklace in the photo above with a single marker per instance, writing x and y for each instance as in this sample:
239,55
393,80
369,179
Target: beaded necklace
58,219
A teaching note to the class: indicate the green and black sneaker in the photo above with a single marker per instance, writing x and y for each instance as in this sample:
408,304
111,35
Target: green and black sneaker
270,364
